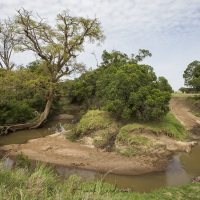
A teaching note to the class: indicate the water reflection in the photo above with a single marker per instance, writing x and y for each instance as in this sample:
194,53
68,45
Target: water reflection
141,183
176,174
191,162
181,169
7,163
85,174
23,136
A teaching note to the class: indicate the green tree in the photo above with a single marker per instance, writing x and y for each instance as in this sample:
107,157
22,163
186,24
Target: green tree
23,92
124,87
163,85
57,46
192,75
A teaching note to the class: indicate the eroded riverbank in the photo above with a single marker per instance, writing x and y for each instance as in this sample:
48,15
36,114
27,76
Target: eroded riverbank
56,149
76,158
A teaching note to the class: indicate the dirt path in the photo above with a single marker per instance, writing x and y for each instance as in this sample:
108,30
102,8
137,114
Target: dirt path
180,109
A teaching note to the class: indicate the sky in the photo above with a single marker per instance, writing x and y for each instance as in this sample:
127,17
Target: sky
169,29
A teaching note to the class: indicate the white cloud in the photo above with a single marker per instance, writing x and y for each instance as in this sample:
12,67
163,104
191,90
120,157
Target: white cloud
165,27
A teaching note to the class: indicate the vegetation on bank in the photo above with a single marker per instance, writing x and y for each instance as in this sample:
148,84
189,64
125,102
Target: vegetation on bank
43,183
23,94
121,84
191,100
192,78
123,87
100,125
129,139
133,138
56,46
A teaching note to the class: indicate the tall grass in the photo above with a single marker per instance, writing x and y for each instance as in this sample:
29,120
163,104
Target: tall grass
43,184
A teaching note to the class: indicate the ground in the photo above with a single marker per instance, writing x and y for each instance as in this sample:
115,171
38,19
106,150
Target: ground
180,109
56,149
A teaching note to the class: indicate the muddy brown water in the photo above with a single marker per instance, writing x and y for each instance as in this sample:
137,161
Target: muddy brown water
181,169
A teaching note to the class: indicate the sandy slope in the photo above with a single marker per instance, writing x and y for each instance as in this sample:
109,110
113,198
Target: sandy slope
180,109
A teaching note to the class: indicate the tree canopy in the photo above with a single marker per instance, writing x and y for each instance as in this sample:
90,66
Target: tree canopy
56,46
24,93
124,87
192,76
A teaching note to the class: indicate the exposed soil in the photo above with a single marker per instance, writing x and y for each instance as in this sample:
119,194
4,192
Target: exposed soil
56,149
181,110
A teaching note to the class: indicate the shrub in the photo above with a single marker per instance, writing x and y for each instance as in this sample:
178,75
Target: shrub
123,87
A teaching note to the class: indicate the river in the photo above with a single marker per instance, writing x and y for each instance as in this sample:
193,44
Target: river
180,170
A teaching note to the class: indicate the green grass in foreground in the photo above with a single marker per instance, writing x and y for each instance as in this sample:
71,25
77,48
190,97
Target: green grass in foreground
42,183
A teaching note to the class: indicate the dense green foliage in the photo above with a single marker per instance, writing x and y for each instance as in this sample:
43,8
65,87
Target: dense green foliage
23,94
192,76
42,183
123,87
24,91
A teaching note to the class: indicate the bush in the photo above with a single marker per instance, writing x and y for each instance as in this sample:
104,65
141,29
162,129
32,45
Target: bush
123,87
13,112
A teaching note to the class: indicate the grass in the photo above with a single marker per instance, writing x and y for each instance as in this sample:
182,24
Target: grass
193,103
170,125
167,124
94,120
131,144
183,94
102,137
133,140
97,124
106,133
43,183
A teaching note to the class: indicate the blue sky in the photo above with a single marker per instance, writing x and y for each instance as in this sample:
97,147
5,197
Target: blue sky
169,29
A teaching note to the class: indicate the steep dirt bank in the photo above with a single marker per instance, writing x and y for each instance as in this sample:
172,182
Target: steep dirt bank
180,109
